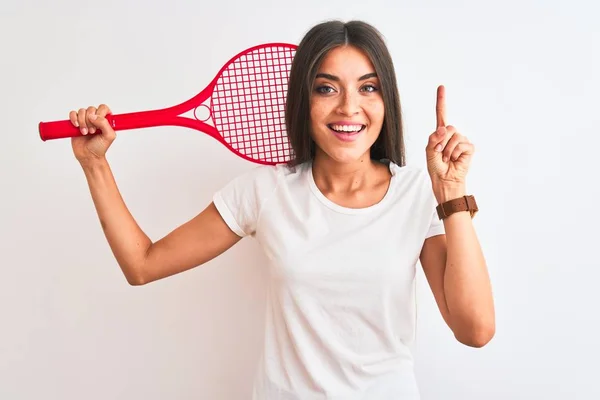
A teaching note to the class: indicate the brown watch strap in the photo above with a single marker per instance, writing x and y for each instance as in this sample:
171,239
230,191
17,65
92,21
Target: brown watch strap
465,203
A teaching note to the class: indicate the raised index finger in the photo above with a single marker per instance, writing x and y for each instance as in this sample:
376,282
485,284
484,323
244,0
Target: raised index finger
440,106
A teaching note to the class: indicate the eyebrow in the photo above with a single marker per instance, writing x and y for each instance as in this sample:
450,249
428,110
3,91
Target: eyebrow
335,78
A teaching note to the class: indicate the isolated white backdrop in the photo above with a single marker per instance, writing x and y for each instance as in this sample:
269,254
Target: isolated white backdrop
522,83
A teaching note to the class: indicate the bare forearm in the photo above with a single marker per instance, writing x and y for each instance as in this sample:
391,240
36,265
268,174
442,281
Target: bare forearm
127,241
466,281
467,284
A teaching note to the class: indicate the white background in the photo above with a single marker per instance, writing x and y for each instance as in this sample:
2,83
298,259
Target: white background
522,83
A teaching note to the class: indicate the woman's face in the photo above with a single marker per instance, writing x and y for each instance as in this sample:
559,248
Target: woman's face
346,111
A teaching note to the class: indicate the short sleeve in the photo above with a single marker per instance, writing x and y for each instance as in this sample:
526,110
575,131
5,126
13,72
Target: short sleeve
436,226
241,200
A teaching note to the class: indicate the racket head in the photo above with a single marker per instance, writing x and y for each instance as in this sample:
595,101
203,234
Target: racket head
247,104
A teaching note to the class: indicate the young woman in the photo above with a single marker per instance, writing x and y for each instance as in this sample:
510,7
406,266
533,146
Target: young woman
342,226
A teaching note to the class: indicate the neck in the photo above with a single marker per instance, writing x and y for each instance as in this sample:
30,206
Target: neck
333,176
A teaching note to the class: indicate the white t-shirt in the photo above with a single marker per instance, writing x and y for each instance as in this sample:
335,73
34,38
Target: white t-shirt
340,317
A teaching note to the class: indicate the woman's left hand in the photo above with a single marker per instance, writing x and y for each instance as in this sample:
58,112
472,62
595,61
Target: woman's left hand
448,152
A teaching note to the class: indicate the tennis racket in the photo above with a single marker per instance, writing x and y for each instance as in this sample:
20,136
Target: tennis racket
247,105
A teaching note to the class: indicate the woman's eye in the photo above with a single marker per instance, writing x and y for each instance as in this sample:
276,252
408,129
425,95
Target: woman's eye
369,88
324,89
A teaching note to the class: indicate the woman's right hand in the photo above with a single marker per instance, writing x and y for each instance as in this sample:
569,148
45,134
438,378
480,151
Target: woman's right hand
97,134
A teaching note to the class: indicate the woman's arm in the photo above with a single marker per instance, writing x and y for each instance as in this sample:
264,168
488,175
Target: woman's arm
456,270
191,244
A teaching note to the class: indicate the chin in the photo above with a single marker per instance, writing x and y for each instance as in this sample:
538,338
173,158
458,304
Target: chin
345,156
349,154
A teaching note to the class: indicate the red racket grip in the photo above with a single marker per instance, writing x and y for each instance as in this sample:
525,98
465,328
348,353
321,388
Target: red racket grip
62,129
65,129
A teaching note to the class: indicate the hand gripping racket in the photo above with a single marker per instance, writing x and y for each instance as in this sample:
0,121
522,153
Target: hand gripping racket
247,105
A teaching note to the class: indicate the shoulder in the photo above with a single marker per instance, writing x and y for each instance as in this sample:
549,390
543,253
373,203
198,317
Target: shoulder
242,199
267,176
259,182
413,185
413,181
410,175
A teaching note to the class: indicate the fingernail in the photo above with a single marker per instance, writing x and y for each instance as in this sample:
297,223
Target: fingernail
438,148
84,131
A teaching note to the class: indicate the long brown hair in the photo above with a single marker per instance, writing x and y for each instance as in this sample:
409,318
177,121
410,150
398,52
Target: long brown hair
311,51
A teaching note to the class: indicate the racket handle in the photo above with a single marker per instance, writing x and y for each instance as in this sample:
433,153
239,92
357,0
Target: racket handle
57,130
65,129
62,129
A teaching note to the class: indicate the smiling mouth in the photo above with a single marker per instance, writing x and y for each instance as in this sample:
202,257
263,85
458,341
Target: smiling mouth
346,129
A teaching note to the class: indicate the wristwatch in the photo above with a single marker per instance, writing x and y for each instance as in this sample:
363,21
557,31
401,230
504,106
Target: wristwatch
465,203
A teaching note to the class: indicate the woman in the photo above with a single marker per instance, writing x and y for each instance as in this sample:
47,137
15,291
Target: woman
342,225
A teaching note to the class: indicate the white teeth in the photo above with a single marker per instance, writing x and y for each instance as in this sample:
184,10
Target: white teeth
346,128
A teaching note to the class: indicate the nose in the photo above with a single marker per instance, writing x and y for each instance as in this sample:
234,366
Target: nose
349,104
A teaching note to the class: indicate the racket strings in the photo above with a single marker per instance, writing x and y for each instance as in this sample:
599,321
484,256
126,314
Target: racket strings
249,104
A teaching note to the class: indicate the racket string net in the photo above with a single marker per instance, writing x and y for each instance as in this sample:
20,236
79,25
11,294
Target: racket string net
248,104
